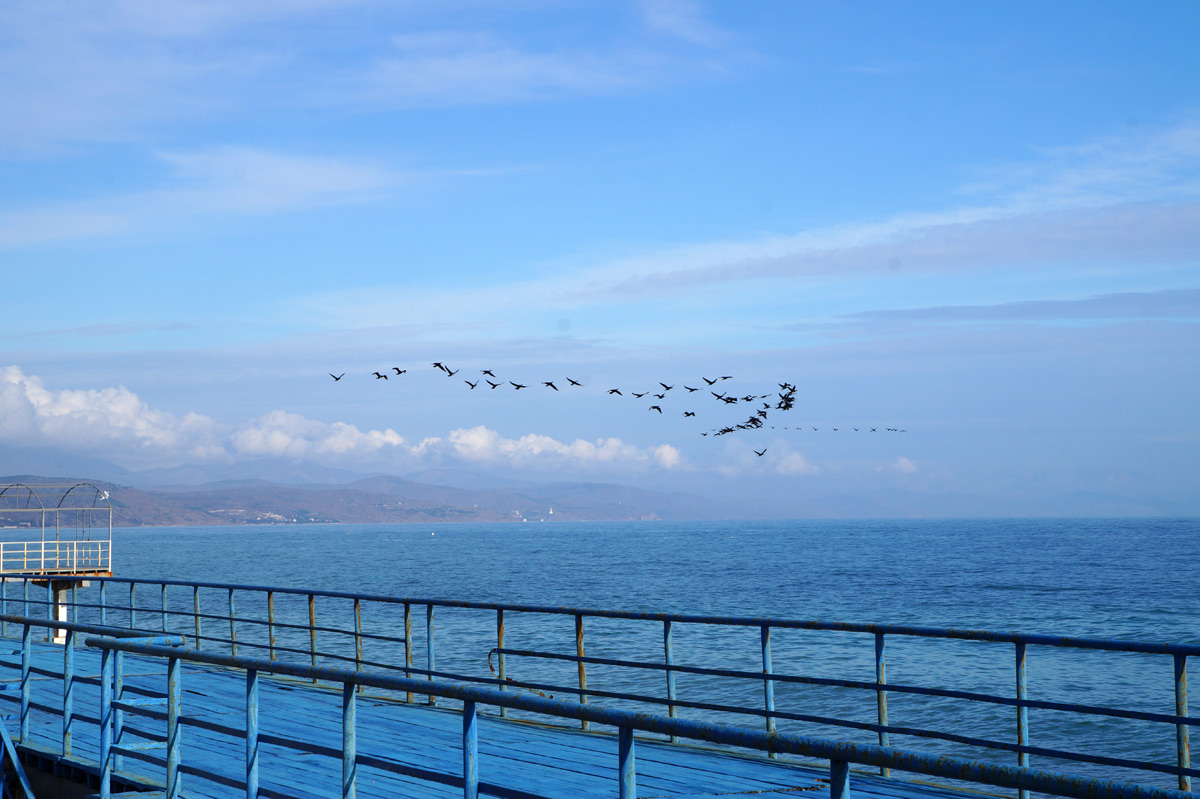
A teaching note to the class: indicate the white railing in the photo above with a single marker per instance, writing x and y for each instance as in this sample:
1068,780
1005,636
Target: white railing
54,557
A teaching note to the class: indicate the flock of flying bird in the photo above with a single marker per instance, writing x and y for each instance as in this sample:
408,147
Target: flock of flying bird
763,404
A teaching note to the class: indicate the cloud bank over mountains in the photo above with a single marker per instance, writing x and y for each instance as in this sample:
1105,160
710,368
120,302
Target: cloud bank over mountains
116,423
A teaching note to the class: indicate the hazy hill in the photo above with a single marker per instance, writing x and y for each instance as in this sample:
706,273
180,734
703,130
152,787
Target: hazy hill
381,500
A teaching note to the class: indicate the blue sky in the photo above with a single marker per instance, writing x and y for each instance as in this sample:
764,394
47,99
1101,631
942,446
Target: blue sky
978,223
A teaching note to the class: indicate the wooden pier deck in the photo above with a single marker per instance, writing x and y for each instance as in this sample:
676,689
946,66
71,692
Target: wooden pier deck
516,758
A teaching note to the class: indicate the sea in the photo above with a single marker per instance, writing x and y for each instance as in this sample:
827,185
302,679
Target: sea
1133,579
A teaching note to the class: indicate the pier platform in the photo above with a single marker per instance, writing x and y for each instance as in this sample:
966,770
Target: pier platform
516,758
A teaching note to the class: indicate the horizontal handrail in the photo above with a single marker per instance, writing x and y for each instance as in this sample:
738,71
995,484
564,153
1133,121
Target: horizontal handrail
1043,781
1105,644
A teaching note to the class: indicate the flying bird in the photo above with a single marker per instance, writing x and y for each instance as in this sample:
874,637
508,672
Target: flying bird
550,384
516,386
337,377
655,408
689,413
452,374
639,396
574,382
493,385
378,376
487,372
690,389
438,365
706,380
472,385
660,396
616,391
398,370
666,387
760,453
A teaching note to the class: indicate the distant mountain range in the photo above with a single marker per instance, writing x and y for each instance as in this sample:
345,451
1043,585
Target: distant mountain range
388,500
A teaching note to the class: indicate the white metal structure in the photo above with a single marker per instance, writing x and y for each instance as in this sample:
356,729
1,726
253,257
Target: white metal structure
56,530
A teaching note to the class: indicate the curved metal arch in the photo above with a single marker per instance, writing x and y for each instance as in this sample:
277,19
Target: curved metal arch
16,496
97,495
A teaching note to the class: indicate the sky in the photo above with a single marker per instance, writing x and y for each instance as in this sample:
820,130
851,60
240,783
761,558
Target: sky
974,228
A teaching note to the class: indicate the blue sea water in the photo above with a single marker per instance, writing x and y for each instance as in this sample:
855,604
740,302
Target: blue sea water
1126,578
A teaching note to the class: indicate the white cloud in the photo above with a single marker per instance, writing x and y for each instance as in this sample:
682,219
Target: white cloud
118,424
94,420
900,465
793,463
214,181
483,445
280,433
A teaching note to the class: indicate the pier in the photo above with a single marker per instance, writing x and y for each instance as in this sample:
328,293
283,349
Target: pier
207,689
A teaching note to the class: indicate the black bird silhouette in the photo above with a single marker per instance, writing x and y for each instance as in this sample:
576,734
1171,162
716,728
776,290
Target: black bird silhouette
872,429
487,372
452,374
550,384
337,377
706,380
660,396
655,408
616,391
690,389
639,396
689,413
493,385
377,376
760,454
574,382
438,365
472,385
726,377
730,400
666,387
516,386
398,370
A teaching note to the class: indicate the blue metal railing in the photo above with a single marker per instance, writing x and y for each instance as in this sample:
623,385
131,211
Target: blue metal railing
840,755
286,627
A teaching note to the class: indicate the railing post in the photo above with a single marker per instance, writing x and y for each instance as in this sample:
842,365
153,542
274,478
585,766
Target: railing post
1183,749
349,743
68,702
582,666
839,779
174,729
429,651
75,601
271,621
251,733
408,653
312,630
4,604
669,659
106,710
26,596
196,621
232,624
103,603
118,714
358,643
132,605
1022,715
627,766
768,683
470,752
881,695
500,654
26,670
164,607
